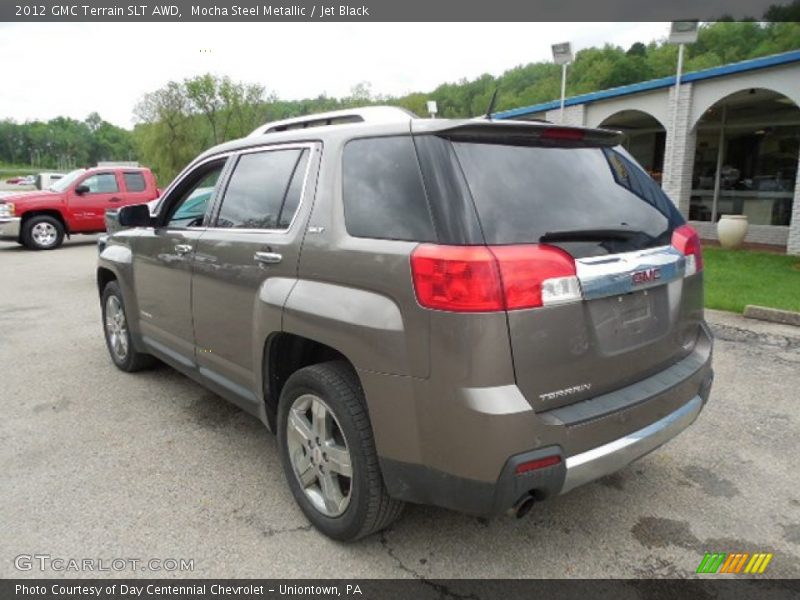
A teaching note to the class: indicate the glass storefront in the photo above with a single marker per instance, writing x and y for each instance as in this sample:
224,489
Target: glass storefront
648,150
755,172
644,139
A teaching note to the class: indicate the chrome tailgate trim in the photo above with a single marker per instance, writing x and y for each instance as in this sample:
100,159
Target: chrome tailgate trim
617,274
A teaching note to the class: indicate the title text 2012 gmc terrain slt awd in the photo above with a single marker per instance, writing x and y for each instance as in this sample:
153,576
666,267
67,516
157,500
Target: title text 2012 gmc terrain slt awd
473,314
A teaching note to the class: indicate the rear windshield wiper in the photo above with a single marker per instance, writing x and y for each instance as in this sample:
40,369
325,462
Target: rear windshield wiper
592,235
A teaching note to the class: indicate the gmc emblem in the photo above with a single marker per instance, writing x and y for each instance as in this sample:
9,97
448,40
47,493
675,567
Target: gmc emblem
646,276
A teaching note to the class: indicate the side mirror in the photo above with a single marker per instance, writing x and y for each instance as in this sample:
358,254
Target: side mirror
137,215
82,189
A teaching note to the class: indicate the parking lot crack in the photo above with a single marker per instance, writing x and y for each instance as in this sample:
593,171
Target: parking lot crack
270,532
267,531
441,589
390,551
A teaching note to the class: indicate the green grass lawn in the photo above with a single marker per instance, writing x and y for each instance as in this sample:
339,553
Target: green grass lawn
9,171
735,278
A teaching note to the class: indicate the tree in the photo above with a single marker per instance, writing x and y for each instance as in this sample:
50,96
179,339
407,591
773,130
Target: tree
165,137
204,95
788,13
637,49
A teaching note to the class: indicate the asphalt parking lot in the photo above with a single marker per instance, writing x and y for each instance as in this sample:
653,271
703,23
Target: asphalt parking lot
8,188
96,463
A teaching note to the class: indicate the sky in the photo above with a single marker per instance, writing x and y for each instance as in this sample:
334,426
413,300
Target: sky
73,69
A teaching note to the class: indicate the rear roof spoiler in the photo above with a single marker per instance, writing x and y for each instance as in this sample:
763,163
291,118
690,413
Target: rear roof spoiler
521,133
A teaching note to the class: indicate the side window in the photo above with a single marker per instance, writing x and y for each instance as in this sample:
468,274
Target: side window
134,181
383,192
634,179
264,190
191,209
102,183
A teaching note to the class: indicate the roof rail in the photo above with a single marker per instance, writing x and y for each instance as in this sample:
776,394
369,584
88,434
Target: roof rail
366,114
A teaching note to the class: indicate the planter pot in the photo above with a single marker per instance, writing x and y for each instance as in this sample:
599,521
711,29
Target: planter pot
731,230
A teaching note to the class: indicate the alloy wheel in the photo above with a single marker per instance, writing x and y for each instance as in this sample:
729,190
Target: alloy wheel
116,328
319,455
44,234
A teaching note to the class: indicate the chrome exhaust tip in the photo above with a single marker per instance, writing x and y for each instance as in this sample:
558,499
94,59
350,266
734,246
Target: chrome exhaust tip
522,507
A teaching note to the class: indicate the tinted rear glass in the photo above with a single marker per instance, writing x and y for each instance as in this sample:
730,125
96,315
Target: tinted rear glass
134,182
522,193
383,192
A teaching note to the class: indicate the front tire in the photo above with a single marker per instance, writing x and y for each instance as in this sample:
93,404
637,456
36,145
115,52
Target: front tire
42,232
328,453
118,334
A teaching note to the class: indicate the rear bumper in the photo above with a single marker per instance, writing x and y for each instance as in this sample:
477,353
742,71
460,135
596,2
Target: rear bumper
592,439
428,486
9,228
611,457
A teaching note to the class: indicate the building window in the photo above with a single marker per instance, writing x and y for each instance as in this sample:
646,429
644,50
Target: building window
746,159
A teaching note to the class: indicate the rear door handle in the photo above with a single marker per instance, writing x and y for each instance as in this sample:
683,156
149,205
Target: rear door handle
114,199
183,248
268,258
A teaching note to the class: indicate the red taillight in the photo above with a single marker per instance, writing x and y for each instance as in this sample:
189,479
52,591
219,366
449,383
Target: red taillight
492,278
536,275
562,133
540,463
686,240
456,278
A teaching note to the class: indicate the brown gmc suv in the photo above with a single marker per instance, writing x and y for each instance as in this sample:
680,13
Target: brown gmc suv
474,314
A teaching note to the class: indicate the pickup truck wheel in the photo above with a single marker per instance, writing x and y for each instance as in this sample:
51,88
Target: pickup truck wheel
117,333
328,453
42,232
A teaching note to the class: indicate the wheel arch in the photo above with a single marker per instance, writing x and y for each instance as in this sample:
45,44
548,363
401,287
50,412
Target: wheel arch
114,264
285,353
48,212
104,277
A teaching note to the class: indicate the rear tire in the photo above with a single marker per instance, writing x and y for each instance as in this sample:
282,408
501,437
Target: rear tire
42,232
329,437
118,334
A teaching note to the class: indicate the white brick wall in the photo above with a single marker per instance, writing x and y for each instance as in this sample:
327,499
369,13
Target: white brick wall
793,242
677,178
573,115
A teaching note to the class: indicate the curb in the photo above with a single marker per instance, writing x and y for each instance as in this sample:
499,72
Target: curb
733,327
773,315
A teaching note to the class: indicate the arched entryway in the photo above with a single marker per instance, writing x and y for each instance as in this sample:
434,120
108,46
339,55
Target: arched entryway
746,158
644,138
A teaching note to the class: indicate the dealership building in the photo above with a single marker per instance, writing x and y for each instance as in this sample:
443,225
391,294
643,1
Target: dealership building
730,146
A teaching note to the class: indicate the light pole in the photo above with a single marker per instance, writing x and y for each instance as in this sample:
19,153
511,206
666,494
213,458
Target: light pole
562,55
432,110
681,33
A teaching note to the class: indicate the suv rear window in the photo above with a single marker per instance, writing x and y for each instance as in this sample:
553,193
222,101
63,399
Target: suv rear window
383,192
522,193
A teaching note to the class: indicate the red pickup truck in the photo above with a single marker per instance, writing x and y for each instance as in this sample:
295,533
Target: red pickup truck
76,203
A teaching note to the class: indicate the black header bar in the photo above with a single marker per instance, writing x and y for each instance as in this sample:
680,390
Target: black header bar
382,10
391,589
